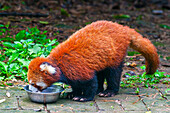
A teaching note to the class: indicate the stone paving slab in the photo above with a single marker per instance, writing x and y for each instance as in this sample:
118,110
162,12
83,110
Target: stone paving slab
125,101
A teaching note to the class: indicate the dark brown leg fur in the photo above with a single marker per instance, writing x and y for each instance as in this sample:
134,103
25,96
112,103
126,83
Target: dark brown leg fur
112,76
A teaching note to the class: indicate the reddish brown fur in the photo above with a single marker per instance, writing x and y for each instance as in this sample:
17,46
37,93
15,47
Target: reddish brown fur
34,72
97,46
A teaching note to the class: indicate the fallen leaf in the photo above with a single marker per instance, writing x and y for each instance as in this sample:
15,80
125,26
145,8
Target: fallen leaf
62,105
133,64
8,94
2,100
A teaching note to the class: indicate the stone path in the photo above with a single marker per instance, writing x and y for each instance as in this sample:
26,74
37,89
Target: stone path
148,101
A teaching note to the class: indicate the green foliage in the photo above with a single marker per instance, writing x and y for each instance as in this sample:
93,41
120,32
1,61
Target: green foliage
145,80
139,17
164,26
64,12
91,104
16,54
121,16
167,91
43,22
87,23
4,33
158,44
132,53
168,58
5,7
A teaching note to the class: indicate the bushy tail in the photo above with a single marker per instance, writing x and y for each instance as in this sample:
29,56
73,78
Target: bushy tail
148,50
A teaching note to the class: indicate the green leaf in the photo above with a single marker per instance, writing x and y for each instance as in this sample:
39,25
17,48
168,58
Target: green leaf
24,62
17,44
121,16
49,48
36,49
27,41
43,22
2,78
20,35
7,25
164,26
5,66
8,44
1,25
44,32
13,66
52,42
13,57
58,83
143,67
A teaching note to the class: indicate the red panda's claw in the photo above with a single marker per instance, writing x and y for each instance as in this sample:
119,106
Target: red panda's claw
76,98
106,94
101,94
109,95
81,99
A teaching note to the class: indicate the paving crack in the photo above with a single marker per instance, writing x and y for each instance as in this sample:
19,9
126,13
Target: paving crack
141,99
120,104
160,92
19,107
97,107
117,101
45,108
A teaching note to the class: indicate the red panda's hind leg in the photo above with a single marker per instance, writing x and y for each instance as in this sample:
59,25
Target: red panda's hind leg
112,76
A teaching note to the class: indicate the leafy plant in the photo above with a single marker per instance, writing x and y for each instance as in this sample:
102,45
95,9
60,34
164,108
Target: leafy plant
32,33
17,54
145,80
4,32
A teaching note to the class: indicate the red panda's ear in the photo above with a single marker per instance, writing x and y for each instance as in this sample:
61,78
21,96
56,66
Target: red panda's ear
45,66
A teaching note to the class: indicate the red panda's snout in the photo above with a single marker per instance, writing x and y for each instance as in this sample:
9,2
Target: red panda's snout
42,73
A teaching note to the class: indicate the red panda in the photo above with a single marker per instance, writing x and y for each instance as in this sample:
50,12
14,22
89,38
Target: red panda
92,54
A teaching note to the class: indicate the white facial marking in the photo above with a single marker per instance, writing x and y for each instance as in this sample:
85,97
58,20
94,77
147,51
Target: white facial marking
47,67
30,81
41,84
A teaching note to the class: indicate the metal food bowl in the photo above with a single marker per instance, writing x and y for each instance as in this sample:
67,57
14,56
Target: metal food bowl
48,95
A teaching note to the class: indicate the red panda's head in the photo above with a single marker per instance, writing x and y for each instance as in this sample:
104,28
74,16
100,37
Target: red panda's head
42,73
